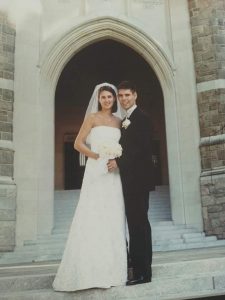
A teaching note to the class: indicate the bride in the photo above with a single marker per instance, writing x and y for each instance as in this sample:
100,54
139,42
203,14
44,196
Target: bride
95,255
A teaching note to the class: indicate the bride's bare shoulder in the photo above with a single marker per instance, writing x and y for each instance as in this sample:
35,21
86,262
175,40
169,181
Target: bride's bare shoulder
90,117
94,115
89,120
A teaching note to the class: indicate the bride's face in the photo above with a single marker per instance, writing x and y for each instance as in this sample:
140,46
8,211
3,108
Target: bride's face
106,100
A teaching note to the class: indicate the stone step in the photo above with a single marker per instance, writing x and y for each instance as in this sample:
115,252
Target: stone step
125,294
154,215
159,210
157,239
174,229
203,295
170,280
172,241
193,235
159,233
34,255
159,206
46,248
159,217
27,258
185,246
168,225
52,244
49,241
67,206
60,231
200,239
165,290
153,221
166,235
62,225
160,197
55,253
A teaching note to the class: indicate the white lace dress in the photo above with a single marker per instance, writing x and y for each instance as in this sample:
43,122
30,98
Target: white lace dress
95,253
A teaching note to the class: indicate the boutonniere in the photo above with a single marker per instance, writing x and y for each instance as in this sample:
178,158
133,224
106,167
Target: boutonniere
126,123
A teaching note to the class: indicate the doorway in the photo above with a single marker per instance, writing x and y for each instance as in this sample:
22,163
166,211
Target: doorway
104,61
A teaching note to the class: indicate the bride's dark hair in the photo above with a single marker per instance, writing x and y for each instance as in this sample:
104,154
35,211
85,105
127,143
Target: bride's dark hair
112,91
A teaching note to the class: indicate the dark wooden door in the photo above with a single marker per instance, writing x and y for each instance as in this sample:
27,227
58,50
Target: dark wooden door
73,171
157,175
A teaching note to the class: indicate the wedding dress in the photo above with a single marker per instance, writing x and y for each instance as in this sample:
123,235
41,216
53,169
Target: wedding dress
95,255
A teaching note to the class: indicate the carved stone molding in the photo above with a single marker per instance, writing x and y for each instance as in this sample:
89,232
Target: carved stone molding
212,140
100,29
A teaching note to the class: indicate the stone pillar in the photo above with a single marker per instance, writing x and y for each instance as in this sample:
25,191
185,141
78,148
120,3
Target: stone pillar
7,186
207,18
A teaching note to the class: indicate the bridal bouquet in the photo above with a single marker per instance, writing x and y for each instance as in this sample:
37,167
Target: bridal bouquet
109,150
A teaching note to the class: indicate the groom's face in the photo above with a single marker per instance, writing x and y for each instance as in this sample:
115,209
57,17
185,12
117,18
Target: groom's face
127,98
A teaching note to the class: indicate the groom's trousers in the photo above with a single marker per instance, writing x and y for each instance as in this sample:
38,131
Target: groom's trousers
140,241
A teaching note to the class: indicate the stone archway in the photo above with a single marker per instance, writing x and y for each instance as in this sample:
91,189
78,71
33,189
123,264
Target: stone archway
113,62
51,68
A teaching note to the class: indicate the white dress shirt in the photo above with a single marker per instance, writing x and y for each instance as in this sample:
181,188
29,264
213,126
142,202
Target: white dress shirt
130,110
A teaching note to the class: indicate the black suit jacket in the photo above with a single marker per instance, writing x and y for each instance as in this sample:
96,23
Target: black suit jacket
135,164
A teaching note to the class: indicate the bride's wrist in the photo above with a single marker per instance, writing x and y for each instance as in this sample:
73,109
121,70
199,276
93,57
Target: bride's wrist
96,156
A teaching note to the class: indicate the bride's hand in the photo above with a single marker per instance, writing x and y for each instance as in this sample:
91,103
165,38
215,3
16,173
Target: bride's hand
112,165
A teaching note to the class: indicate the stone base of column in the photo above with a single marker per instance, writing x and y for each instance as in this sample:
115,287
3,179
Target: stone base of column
7,217
213,202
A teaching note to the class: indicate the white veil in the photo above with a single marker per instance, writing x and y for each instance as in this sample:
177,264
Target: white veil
93,103
93,107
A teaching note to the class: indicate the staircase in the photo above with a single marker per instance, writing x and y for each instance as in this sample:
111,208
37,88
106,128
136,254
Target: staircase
189,275
165,235
159,205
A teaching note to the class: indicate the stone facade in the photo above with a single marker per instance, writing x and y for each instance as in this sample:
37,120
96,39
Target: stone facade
211,106
7,47
160,33
213,204
7,187
50,42
208,38
6,114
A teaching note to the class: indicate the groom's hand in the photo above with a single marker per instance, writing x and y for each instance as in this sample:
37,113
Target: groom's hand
112,165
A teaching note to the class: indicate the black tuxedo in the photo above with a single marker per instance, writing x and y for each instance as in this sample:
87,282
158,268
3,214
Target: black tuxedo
135,166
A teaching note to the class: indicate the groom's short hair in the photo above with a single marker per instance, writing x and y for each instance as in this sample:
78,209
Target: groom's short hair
127,85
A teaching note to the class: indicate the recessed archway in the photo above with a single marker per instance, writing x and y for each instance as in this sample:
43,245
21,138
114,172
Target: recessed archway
52,66
112,63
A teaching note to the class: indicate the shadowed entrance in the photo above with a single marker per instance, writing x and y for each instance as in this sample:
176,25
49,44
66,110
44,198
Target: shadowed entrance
103,61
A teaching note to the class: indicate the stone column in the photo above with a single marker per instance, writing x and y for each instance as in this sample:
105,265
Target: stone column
7,186
207,19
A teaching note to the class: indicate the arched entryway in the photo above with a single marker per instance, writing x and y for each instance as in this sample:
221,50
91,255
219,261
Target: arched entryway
183,170
109,61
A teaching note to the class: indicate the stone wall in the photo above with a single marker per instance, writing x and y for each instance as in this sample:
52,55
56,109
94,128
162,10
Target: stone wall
7,186
208,38
207,18
213,204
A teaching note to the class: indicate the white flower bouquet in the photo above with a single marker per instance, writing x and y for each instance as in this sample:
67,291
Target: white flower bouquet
109,150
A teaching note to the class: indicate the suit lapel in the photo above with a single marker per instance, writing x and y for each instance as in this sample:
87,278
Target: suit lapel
134,114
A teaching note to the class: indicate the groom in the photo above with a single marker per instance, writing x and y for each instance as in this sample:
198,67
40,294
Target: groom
135,169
